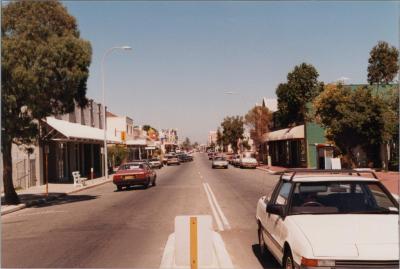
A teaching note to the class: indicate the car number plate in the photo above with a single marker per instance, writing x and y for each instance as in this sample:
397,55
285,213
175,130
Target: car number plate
129,177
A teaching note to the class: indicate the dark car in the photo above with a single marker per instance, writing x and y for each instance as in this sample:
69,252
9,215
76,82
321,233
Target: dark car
134,173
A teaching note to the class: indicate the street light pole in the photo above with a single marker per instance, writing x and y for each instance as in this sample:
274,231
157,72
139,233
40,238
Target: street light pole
104,105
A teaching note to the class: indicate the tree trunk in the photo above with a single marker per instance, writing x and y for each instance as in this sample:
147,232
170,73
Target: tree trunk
10,196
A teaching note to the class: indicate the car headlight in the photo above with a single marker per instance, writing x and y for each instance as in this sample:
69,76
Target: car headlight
317,263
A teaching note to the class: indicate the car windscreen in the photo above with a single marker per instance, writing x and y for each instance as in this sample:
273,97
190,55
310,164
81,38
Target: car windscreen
219,159
354,197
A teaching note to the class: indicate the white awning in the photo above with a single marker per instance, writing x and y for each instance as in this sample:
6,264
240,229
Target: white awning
136,142
78,131
285,134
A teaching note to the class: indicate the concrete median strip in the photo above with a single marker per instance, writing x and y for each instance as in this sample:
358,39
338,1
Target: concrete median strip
195,245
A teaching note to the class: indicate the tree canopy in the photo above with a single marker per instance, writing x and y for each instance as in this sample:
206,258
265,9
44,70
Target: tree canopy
258,119
45,66
383,63
232,131
351,117
302,87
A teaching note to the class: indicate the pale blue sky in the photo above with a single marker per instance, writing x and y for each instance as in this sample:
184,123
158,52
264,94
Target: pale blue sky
187,54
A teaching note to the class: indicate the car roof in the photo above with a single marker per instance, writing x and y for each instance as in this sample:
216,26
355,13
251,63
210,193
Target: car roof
326,177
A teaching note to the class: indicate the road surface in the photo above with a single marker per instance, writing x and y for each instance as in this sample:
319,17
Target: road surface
101,227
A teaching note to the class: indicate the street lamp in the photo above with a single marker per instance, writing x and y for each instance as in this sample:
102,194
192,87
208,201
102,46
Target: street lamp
104,104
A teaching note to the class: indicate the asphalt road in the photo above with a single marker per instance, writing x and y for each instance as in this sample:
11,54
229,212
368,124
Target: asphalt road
101,227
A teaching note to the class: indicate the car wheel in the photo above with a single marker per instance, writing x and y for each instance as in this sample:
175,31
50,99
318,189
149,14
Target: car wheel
288,260
261,242
119,188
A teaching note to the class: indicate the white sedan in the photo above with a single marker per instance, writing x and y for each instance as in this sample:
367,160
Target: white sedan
219,162
248,162
326,221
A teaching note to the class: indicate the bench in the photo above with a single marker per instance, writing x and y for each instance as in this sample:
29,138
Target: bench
78,180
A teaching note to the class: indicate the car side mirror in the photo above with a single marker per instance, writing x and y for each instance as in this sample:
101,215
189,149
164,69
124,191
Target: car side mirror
275,209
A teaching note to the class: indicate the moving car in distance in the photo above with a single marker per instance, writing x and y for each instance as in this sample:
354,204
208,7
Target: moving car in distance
219,162
314,219
248,162
134,173
155,163
171,159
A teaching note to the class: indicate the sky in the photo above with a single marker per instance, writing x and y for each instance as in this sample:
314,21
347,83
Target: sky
186,55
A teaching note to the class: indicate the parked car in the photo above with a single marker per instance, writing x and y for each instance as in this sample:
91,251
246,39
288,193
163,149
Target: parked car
134,173
173,160
248,162
316,220
189,157
219,162
155,163
236,161
211,155
232,159
183,157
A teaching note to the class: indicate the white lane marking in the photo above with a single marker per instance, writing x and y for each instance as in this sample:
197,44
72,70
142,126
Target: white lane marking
214,211
224,219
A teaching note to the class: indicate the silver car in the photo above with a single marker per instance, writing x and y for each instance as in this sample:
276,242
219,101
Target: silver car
219,162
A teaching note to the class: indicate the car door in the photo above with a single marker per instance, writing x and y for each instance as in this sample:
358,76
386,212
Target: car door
274,224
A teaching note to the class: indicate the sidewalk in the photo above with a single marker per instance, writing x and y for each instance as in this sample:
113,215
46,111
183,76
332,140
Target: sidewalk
37,195
391,180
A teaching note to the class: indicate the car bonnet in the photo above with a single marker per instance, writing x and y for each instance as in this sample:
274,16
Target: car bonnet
351,235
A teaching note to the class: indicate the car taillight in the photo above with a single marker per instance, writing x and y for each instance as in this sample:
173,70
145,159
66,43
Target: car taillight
317,263
117,177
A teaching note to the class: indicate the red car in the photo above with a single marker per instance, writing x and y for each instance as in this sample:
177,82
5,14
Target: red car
134,173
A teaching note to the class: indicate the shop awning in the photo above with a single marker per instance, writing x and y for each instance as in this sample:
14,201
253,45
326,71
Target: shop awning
285,134
136,142
76,131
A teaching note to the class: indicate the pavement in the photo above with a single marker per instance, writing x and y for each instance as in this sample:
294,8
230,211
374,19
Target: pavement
37,194
390,179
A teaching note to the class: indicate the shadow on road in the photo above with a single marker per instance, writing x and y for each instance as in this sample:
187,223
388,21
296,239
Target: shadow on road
67,199
133,188
267,261
41,200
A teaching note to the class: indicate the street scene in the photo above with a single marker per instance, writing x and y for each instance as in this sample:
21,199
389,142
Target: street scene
213,135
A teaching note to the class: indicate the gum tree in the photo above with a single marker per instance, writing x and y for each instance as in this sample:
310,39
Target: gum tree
44,66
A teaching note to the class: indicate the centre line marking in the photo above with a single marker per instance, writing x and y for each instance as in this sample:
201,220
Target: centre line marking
221,213
214,211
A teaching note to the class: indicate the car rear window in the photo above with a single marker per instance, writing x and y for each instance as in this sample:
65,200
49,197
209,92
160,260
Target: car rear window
341,198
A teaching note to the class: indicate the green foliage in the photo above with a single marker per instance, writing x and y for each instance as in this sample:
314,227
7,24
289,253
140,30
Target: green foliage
186,144
232,131
302,87
383,63
351,117
45,66
118,154
258,119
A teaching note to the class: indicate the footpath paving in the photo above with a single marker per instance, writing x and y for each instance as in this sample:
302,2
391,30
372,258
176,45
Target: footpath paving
37,195
391,180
